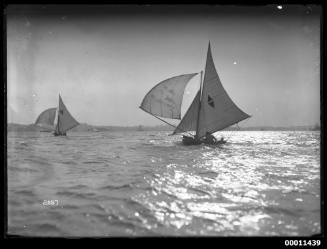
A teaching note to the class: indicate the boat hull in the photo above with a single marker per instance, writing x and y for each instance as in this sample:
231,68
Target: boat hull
59,134
192,141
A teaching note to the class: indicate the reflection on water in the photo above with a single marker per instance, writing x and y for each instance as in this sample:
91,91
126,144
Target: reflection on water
148,184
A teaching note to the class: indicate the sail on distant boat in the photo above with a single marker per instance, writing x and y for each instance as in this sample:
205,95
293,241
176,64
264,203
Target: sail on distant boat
58,119
211,110
46,119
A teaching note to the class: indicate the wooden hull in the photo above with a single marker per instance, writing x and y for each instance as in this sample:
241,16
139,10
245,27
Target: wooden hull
191,141
59,134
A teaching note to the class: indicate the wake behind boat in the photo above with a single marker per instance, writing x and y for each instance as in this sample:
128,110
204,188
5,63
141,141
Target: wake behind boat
57,120
211,110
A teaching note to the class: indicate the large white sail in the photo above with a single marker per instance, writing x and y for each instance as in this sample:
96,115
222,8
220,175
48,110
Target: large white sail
46,119
217,110
65,119
190,118
165,99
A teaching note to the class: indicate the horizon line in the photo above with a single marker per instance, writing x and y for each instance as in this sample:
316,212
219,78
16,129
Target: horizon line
253,126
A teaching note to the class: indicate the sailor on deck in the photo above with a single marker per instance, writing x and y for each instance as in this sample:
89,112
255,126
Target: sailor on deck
210,138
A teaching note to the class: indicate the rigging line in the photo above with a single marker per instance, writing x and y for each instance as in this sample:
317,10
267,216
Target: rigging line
166,122
229,134
231,131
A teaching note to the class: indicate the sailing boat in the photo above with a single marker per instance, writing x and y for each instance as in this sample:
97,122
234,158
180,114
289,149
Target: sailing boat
58,120
211,110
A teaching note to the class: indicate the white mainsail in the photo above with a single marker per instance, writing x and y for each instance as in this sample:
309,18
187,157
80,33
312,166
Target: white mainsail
217,111
65,119
165,99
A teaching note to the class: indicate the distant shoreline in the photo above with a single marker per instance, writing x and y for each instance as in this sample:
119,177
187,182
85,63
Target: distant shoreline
93,128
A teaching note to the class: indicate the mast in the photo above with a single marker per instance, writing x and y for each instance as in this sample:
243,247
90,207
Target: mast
57,131
58,128
57,114
198,119
58,123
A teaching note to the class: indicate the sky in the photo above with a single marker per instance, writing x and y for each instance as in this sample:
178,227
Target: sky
103,60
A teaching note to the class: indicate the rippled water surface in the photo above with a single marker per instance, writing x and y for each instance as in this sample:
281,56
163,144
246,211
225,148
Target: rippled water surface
261,183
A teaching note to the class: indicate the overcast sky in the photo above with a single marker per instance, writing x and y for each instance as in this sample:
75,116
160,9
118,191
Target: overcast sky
104,59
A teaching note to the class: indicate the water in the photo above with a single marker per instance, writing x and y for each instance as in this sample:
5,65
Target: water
261,183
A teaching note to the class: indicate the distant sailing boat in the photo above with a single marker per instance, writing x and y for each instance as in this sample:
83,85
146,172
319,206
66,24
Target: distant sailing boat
58,120
211,110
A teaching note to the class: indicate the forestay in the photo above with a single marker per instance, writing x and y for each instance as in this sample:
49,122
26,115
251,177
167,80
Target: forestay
165,99
189,120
